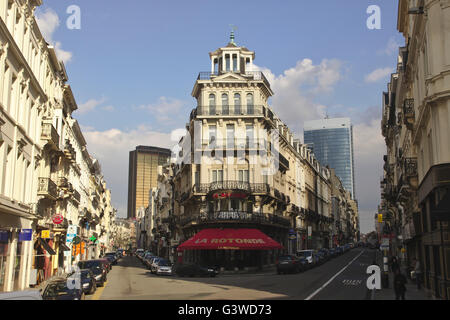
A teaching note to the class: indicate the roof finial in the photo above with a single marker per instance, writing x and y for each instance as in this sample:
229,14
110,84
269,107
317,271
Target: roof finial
233,28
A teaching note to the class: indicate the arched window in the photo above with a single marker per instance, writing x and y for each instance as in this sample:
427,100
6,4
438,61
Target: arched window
212,104
237,103
250,106
225,104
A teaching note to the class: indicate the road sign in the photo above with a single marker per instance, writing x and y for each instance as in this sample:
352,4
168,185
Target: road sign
380,218
57,219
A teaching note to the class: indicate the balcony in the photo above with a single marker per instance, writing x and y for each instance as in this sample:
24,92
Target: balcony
249,75
63,183
50,135
47,188
230,111
237,217
232,185
408,113
234,144
76,196
70,152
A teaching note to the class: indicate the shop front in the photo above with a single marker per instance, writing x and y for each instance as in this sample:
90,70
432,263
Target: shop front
229,249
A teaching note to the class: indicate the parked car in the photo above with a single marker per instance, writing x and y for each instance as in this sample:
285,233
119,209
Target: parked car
339,250
114,255
290,263
21,295
58,290
154,264
192,270
139,252
112,259
164,267
320,257
98,268
107,263
326,253
310,256
148,259
87,281
332,252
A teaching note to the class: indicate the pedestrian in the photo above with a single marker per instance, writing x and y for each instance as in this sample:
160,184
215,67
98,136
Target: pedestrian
399,285
418,272
394,264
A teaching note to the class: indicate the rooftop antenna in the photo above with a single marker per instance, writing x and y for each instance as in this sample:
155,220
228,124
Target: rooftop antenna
233,28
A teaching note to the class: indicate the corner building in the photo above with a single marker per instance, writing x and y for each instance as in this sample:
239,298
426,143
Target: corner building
240,173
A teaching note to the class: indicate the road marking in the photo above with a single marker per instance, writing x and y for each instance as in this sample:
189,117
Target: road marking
98,292
334,277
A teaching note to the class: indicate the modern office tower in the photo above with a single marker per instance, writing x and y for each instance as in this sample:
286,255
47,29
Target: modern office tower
143,175
331,141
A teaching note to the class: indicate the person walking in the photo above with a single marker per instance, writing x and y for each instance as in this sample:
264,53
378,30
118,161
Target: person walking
394,264
399,285
418,272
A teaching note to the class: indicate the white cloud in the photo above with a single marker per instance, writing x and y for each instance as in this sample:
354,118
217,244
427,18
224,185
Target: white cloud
378,74
90,105
48,21
166,110
112,147
369,147
108,108
391,47
298,87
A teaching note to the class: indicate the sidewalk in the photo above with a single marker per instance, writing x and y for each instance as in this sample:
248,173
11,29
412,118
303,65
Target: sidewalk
412,293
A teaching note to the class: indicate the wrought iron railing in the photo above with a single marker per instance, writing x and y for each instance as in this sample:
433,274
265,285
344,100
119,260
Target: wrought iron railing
47,188
237,216
231,110
232,185
252,75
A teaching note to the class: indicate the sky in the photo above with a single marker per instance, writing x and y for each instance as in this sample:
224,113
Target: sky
132,66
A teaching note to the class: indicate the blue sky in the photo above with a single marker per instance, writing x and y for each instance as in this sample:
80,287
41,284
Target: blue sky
133,65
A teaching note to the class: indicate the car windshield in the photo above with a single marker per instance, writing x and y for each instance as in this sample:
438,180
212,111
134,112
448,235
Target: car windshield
285,258
305,253
163,263
58,289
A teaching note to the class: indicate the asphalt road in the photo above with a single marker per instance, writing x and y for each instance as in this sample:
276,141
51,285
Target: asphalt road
342,278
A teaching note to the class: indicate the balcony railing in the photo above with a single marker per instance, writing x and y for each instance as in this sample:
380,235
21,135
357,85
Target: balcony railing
50,135
410,167
231,110
47,188
76,196
63,183
408,113
232,185
250,75
235,143
237,217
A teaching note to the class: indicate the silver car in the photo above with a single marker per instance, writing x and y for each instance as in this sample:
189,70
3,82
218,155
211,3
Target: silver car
163,267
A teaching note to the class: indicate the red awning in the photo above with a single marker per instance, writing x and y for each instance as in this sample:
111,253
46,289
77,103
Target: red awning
230,239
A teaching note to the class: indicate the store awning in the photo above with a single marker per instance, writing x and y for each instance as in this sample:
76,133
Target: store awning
230,239
46,246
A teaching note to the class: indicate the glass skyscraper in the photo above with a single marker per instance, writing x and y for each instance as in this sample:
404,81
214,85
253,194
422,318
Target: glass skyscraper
331,141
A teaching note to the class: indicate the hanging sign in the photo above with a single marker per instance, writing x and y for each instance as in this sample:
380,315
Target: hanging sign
26,235
45,234
57,219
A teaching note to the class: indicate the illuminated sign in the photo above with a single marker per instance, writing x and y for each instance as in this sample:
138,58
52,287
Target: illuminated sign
229,241
228,195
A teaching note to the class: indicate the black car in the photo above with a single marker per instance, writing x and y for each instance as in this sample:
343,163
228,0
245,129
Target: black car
112,259
59,290
192,270
290,264
112,256
98,268
88,282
